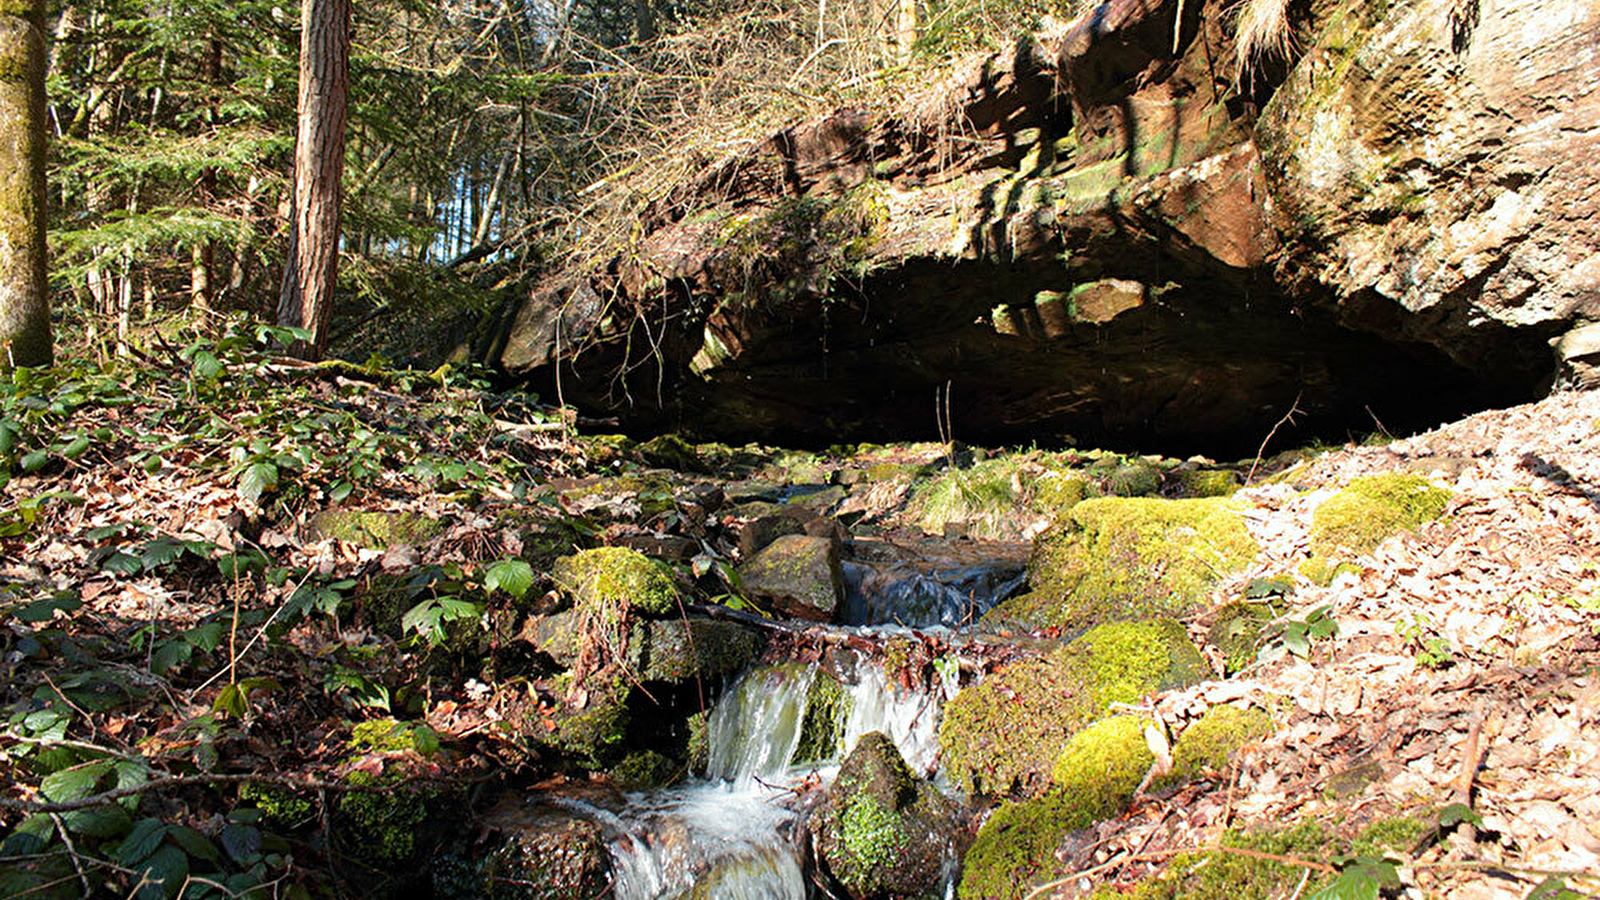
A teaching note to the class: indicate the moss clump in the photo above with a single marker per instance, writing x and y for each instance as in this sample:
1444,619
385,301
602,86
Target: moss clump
392,736
1005,732
608,578
827,712
278,806
1322,571
882,833
871,836
643,770
1119,558
588,737
1370,509
1237,631
1057,492
1211,742
1095,775
384,823
1216,875
374,530
1137,479
669,451
1207,482
1396,835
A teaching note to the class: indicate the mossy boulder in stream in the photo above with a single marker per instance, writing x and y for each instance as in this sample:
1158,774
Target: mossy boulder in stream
800,575
1129,557
827,713
883,834
373,530
1370,509
1004,733
1093,777
612,578
658,649
548,854
588,727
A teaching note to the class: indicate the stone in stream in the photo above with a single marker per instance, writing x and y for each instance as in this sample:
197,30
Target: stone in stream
763,530
658,649
881,833
549,853
799,574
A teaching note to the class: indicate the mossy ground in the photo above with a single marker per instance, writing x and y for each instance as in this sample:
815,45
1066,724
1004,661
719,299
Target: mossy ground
1370,509
374,530
1218,875
1120,558
1005,733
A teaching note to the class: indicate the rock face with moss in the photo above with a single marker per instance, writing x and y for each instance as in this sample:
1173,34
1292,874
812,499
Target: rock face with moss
548,854
1005,732
882,834
1210,743
1119,558
1093,777
800,575
373,530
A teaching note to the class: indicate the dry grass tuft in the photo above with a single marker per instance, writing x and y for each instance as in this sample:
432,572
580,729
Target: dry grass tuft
1262,31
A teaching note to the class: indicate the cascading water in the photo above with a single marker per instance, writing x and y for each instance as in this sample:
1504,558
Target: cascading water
733,835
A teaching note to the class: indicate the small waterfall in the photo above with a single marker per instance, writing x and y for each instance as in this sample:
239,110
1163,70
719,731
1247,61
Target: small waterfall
721,842
754,730
909,718
949,597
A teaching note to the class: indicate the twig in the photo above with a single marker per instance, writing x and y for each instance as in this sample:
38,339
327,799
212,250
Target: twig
72,853
1287,417
1153,855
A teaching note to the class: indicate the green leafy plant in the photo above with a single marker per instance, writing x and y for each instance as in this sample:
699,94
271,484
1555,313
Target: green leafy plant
1297,635
1431,649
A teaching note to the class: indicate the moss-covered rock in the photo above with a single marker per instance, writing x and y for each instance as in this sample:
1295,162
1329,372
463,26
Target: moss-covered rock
1200,482
679,649
882,834
615,578
1370,509
1094,777
1121,558
1211,742
644,769
1134,479
669,451
381,825
551,855
799,574
373,530
1005,732
589,734
827,712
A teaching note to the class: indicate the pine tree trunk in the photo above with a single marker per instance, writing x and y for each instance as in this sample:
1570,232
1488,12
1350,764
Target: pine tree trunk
202,289
24,297
312,265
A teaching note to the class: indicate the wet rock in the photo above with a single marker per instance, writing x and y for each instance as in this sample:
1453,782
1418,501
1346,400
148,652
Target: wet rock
882,834
547,854
658,649
668,451
799,574
761,531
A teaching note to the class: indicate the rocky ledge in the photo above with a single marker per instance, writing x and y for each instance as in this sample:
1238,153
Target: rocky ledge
1099,236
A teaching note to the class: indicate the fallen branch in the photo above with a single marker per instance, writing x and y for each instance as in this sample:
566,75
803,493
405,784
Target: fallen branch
284,781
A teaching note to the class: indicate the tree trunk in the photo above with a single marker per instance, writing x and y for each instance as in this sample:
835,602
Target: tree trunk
906,30
202,289
306,300
24,297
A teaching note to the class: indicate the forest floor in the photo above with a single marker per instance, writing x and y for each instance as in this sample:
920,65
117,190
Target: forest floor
181,633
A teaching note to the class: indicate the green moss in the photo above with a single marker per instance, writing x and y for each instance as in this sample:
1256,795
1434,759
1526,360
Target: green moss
1218,875
698,746
1136,479
1207,482
589,737
1211,742
642,770
1237,630
279,807
1119,558
1058,492
616,577
1370,509
384,823
1322,571
391,736
1095,775
1394,836
374,530
1006,731
669,451
871,835
827,712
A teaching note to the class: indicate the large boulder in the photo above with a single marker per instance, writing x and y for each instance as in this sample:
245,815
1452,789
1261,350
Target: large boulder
883,835
657,649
